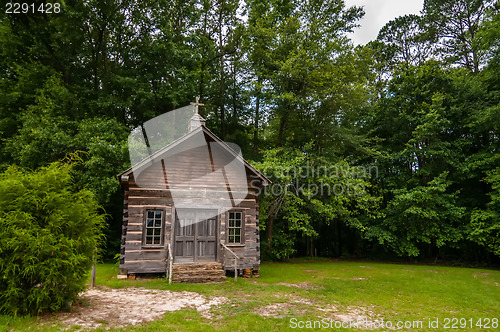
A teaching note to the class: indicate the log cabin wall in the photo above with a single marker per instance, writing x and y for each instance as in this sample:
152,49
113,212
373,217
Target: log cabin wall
249,250
155,193
135,257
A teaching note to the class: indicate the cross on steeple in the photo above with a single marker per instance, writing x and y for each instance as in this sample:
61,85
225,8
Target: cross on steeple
196,120
197,103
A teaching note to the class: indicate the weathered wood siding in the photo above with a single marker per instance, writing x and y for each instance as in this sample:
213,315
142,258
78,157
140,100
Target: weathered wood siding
156,193
249,250
135,257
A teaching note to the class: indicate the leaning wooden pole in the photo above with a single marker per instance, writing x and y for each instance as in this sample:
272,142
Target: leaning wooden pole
170,261
235,269
94,265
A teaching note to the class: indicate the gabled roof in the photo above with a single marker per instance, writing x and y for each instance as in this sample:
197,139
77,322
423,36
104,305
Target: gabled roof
150,159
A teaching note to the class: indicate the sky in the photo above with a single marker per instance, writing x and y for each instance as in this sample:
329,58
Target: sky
378,13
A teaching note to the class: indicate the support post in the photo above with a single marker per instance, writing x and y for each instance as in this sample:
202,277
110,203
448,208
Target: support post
170,261
235,260
235,269
94,266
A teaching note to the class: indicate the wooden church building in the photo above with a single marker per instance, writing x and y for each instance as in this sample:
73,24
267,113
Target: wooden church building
191,210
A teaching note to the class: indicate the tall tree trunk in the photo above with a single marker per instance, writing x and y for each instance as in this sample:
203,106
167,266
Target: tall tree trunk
270,232
234,116
221,69
256,124
312,246
203,62
339,238
281,129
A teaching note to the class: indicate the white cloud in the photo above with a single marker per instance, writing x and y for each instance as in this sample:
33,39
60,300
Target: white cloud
378,13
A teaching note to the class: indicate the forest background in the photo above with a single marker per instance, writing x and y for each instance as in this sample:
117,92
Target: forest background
407,126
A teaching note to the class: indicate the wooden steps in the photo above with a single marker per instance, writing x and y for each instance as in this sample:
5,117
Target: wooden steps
198,273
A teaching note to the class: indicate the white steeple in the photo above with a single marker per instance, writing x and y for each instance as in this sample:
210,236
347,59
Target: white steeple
196,120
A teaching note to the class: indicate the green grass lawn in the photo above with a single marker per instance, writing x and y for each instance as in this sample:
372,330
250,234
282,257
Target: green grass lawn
316,289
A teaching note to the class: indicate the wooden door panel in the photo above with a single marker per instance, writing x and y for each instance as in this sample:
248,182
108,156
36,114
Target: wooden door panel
189,248
206,236
196,236
185,237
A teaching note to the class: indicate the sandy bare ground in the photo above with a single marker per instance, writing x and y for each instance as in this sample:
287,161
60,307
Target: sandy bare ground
348,314
295,305
106,307
129,306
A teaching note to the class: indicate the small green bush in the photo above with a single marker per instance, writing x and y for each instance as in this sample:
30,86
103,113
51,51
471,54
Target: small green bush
48,235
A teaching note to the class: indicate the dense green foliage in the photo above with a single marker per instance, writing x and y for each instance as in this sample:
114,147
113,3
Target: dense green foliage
307,197
419,107
48,234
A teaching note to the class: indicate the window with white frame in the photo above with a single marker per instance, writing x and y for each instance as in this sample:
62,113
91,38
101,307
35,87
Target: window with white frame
234,227
154,227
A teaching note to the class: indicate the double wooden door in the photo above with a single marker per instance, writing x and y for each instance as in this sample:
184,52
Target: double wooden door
195,235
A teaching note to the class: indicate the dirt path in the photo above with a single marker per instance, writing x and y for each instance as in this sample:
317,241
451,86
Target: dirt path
129,306
109,307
